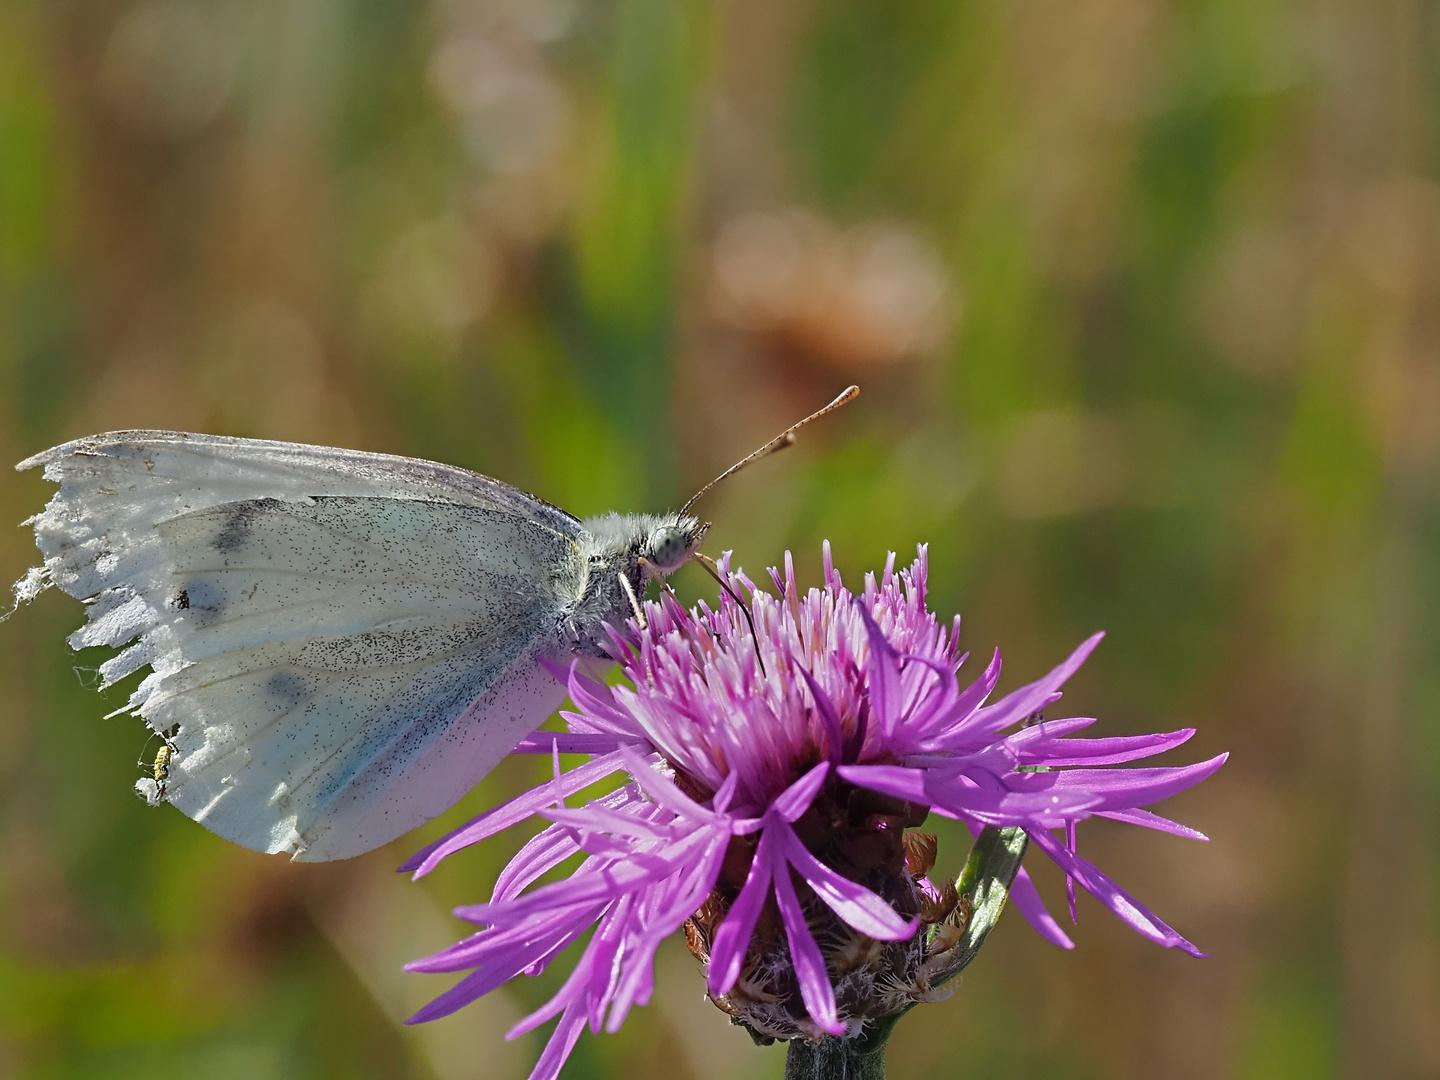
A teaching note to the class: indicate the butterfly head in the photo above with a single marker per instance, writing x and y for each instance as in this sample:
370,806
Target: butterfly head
672,542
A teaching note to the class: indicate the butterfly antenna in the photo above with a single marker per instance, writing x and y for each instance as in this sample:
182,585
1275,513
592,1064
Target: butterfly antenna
714,571
780,442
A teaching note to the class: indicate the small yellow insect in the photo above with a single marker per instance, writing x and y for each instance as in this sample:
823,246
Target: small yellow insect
152,788
162,764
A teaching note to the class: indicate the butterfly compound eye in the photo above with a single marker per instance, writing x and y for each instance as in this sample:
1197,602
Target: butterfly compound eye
669,548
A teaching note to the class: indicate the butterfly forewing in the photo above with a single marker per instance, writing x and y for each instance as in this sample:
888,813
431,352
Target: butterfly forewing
346,641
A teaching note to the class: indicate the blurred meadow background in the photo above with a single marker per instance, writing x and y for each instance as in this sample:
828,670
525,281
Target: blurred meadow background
1144,298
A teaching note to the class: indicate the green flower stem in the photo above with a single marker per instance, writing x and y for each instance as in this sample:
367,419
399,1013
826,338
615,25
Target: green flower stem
834,1059
985,883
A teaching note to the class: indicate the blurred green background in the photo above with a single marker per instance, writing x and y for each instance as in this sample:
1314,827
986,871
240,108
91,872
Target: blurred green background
1144,298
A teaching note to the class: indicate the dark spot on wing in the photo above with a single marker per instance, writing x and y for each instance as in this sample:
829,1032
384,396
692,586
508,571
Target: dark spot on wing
288,687
239,523
183,600
205,600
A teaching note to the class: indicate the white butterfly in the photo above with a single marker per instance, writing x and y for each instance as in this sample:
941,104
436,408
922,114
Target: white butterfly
341,644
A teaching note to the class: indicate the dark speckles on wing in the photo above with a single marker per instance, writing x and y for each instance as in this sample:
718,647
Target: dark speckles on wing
239,522
288,687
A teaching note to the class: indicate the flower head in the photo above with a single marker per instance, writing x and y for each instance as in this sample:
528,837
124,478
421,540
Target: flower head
773,775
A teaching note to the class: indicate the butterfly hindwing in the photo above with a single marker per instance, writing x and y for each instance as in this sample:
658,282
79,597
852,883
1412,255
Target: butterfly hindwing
277,741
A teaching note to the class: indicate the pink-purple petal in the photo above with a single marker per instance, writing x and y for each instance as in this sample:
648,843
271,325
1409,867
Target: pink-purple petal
791,803
635,981
597,818
544,742
576,986
854,903
1091,752
1028,700
930,697
484,946
1147,819
727,951
830,722
1045,731
1026,899
542,853
468,989
692,893
897,780
1117,789
815,988
612,880
1129,910
1007,808
562,1041
882,671
1071,845
511,813
663,791
500,966
596,703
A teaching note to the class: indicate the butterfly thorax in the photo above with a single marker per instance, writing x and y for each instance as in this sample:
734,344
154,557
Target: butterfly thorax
639,547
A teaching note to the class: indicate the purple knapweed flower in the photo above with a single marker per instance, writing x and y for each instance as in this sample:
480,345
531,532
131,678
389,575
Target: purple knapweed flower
773,774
